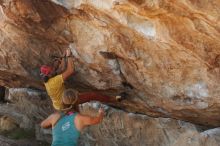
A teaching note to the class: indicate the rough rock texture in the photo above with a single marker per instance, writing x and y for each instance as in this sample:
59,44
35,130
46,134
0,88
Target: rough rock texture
7,142
2,93
26,107
7,123
4,141
117,129
126,129
164,53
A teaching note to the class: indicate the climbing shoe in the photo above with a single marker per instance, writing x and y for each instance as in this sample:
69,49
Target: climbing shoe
121,96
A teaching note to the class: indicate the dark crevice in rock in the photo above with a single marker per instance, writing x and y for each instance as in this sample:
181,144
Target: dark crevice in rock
113,56
2,93
6,78
127,85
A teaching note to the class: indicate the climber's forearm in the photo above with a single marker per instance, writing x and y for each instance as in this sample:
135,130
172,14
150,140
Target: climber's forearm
63,64
69,70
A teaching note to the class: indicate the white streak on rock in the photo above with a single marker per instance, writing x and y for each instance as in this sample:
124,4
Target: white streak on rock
211,132
114,66
73,50
2,15
202,105
198,90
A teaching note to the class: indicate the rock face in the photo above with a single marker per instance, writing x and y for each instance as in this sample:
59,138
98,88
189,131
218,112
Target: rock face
117,129
126,129
6,142
7,123
27,107
165,54
2,93
23,111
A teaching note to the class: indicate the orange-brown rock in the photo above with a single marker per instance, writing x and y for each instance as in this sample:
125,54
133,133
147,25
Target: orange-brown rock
165,54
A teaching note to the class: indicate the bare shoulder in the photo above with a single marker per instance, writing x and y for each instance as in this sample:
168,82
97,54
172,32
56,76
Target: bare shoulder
78,117
79,122
81,117
56,114
83,120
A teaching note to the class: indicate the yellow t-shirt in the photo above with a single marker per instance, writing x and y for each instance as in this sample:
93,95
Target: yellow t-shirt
55,88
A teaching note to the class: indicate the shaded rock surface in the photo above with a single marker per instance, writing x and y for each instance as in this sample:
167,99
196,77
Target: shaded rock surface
4,141
26,107
165,54
117,129
7,123
126,129
7,142
2,93
23,112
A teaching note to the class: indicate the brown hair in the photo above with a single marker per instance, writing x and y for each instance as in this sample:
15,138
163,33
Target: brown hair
69,100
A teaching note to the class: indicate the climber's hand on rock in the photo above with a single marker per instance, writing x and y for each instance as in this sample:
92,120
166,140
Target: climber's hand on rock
121,96
101,111
68,52
63,54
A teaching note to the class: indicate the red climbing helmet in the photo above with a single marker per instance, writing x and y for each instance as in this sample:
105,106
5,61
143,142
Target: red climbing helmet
45,70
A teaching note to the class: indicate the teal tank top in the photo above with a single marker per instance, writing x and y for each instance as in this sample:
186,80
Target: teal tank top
65,132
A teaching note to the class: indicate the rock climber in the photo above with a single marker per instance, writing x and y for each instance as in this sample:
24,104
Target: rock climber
54,76
67,125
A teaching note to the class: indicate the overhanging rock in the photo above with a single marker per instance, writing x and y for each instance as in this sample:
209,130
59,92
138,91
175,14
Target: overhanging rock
168,52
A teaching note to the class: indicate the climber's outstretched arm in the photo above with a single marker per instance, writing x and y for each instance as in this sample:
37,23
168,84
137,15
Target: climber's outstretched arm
84,121
70,66
63,65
